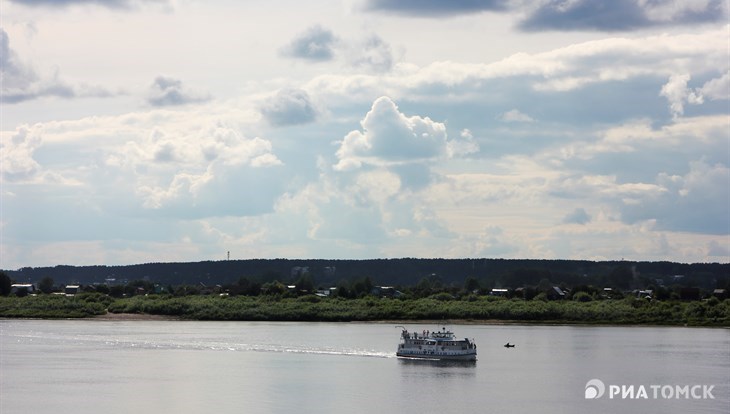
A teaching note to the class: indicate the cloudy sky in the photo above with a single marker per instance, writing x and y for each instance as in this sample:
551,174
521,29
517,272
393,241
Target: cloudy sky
141,131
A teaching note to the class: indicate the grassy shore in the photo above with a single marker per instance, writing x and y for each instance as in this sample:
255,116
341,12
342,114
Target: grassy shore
628,311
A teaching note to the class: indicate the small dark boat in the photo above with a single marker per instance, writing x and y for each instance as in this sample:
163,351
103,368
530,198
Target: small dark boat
509,345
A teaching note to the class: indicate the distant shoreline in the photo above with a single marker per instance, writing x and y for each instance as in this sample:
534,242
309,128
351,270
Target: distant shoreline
133,317
143,317
122,317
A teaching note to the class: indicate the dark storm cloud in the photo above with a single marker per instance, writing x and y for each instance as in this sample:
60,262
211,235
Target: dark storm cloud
587,15
16,76
289,107
315,44
615,15
170,92
561,15
435,8
21,83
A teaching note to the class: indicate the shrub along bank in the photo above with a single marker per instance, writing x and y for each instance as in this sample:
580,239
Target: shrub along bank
711,312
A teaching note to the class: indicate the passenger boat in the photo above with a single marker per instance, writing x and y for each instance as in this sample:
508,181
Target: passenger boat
440,345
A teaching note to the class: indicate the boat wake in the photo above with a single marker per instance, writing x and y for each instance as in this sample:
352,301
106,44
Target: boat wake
94,341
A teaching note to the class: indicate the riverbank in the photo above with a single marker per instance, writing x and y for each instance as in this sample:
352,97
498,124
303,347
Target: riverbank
481,309
133,317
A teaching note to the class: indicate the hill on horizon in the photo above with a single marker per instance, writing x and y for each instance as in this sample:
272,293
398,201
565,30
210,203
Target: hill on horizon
397,272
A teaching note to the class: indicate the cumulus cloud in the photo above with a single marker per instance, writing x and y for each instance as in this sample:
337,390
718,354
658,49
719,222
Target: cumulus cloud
677,93
389,137
315,44
715,89
610,61
146,164
289,107
407,146
16,156
208,172
166,91
464,145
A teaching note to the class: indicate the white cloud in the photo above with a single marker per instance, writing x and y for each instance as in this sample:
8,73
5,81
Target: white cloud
464,145
676,92
389,137
162,161
685,136
563,70
16,155
515,115
716,89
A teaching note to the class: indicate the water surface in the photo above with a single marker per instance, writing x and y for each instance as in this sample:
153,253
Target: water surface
92,366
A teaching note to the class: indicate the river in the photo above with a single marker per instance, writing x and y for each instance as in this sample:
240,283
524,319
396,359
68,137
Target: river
106,366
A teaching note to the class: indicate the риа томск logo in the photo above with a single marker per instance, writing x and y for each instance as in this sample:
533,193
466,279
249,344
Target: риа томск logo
595,389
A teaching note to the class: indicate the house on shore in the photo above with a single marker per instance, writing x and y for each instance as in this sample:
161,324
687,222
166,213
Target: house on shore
22,288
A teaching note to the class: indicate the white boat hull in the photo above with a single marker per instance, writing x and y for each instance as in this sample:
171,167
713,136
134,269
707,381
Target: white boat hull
437,357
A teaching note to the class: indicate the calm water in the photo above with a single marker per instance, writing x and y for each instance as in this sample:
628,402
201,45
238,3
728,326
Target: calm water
243,367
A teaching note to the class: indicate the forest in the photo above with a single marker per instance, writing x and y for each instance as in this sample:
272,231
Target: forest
534,291
489,273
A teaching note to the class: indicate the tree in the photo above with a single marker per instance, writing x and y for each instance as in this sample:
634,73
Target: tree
471,284
621,277
305,283
274,288
363,286
582,297
245,286
46,285
5,284
343,290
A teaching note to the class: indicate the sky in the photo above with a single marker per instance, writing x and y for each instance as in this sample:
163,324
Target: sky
137,131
